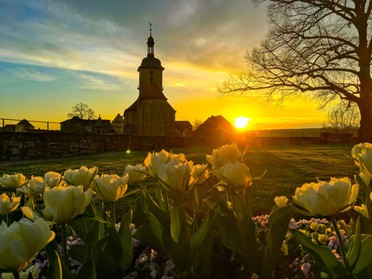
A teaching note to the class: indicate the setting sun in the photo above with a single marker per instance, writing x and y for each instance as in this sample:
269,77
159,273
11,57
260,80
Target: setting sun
241,122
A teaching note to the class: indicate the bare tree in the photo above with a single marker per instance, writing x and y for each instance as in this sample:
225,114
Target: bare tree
82,110
343,118
318,48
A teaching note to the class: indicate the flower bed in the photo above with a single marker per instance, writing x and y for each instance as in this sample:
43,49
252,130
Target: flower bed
58,226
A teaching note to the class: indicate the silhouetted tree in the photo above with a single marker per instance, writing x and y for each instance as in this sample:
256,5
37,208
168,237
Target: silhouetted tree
82,110
318,48
343,118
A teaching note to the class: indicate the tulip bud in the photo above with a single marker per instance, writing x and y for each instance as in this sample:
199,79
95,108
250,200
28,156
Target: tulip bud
236,174
223,155
13,181
52,179
175,175
281,201
154,160
110,187
362,154
82,176
62,204
7,204
136,173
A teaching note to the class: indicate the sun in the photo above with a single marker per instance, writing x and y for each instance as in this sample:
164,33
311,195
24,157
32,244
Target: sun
241,122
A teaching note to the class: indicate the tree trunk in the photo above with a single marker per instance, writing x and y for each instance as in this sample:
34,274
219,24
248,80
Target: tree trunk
365,129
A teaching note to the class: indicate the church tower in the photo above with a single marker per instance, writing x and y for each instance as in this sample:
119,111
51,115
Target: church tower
150,114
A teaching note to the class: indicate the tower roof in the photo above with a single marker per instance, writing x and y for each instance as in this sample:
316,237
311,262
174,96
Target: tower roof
150,61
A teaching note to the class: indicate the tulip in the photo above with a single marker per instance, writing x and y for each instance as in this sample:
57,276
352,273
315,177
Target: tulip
110,187
236,174
35,186
62,204
198,174
21,241
175,176
327,198
136,173
82,176
13,181
362,154
281,201
154,160
7,204
224,154
362,210
52,179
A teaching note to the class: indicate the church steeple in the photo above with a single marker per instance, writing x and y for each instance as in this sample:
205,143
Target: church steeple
150,44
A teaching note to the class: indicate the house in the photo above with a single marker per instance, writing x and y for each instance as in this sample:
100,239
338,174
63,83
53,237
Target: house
216,129
24,126
93,126
184,128
118,124
150,114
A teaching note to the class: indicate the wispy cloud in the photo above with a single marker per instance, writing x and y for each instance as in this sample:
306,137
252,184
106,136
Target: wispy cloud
34,75
90,81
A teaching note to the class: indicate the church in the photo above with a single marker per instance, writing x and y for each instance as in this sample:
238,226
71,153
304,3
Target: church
150,114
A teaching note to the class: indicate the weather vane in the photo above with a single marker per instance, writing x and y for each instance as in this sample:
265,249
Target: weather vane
150,28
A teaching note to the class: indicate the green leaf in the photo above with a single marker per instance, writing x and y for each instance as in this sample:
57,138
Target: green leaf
201,247
278,227
125,236
57,268
363,268
228,234
175,226
322,254
105,255
354,246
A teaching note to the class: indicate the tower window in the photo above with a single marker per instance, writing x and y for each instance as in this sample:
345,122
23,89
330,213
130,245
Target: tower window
151,76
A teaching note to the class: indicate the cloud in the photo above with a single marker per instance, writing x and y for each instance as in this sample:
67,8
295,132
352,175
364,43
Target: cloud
90,81
34,75
74,34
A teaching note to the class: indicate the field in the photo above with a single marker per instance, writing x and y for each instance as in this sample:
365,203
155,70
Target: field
287,167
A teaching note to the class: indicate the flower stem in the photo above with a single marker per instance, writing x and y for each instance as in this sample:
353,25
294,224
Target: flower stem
341,244
113,213
64,244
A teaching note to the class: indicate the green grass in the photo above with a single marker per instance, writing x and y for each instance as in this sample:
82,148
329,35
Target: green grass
287,167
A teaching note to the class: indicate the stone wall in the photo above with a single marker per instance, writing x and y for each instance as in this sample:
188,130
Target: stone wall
38,145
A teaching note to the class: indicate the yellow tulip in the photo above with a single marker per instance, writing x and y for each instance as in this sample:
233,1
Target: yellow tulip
13,181
175,175
136,173
62,204
52,179
362,210
110,187
198,174
362,154
82,176
21,241
223,155
327,198
153,160
281,201
35,186
7,204
236,174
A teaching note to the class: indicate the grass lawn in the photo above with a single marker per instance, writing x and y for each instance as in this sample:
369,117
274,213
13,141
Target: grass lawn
287,167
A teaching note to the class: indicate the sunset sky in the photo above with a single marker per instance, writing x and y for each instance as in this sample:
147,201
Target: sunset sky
54,54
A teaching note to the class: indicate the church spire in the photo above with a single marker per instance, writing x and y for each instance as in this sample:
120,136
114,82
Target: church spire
150,44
